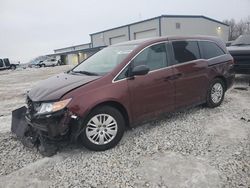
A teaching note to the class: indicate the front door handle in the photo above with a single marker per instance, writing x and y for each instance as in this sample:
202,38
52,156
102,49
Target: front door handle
173,77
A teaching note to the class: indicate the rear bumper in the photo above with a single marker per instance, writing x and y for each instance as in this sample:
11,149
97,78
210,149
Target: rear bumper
230,80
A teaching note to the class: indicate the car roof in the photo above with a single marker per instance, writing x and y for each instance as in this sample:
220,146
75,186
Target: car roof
168,38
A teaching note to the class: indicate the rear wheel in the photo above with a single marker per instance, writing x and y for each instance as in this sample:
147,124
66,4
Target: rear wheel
103,128
216,92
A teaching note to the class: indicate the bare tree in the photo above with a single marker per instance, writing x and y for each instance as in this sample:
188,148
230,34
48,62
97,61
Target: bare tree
238,28
248,24
241,27
232,29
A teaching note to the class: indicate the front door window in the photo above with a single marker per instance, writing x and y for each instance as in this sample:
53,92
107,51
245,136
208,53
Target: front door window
154,57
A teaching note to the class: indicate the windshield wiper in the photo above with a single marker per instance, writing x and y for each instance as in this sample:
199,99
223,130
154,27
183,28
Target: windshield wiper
86,73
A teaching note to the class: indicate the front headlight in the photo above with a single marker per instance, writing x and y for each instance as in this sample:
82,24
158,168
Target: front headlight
53,106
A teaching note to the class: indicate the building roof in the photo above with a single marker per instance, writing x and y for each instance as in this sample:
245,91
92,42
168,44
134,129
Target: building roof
164,16
80,50
74,46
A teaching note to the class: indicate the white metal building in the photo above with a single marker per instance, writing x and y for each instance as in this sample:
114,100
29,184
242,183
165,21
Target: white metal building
157,26
162,26
75,54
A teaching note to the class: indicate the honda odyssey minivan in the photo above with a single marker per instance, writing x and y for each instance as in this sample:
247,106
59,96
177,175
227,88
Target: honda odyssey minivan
123,85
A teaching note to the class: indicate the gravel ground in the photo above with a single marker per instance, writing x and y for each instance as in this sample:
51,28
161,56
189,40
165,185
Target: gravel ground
198,147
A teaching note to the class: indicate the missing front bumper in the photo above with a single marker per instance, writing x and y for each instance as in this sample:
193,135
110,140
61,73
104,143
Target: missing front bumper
18,123
42,132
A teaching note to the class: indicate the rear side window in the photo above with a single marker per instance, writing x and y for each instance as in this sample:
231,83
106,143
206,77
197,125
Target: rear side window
155,57
7,62
1,63
185,51
210,49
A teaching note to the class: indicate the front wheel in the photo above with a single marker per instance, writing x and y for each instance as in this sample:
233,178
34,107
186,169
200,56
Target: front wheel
216,92
103,128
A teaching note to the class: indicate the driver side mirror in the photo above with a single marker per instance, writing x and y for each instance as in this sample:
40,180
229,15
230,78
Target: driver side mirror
140,70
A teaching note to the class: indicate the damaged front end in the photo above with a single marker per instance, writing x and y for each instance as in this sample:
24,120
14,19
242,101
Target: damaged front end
42,124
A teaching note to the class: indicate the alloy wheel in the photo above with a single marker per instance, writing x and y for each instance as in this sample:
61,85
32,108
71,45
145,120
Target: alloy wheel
217,93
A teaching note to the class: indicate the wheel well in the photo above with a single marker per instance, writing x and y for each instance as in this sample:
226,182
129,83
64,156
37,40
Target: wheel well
119,107
223,79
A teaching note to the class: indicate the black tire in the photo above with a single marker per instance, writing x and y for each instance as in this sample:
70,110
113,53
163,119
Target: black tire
209,101
116,114
13,67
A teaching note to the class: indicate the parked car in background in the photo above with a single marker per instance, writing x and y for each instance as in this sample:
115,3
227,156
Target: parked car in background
48,63
42,61
123,85
240,50
5,64
228,43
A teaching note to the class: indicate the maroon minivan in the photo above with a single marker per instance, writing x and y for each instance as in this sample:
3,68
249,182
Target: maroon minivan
125,84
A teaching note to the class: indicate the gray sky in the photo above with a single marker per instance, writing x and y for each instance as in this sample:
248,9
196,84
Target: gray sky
29,28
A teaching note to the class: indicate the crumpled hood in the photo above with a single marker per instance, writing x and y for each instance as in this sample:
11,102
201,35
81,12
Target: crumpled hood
55,87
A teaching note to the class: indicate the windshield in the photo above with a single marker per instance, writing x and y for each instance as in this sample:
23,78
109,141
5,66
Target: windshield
105,60
242,40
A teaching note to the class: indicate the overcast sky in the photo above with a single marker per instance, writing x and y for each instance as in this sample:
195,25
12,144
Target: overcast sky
29,28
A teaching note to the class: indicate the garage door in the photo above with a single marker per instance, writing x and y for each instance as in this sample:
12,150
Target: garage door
117,39
145,34
72,59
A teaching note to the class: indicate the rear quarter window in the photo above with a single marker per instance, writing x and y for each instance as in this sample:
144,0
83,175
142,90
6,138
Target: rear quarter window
210,49
185,51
